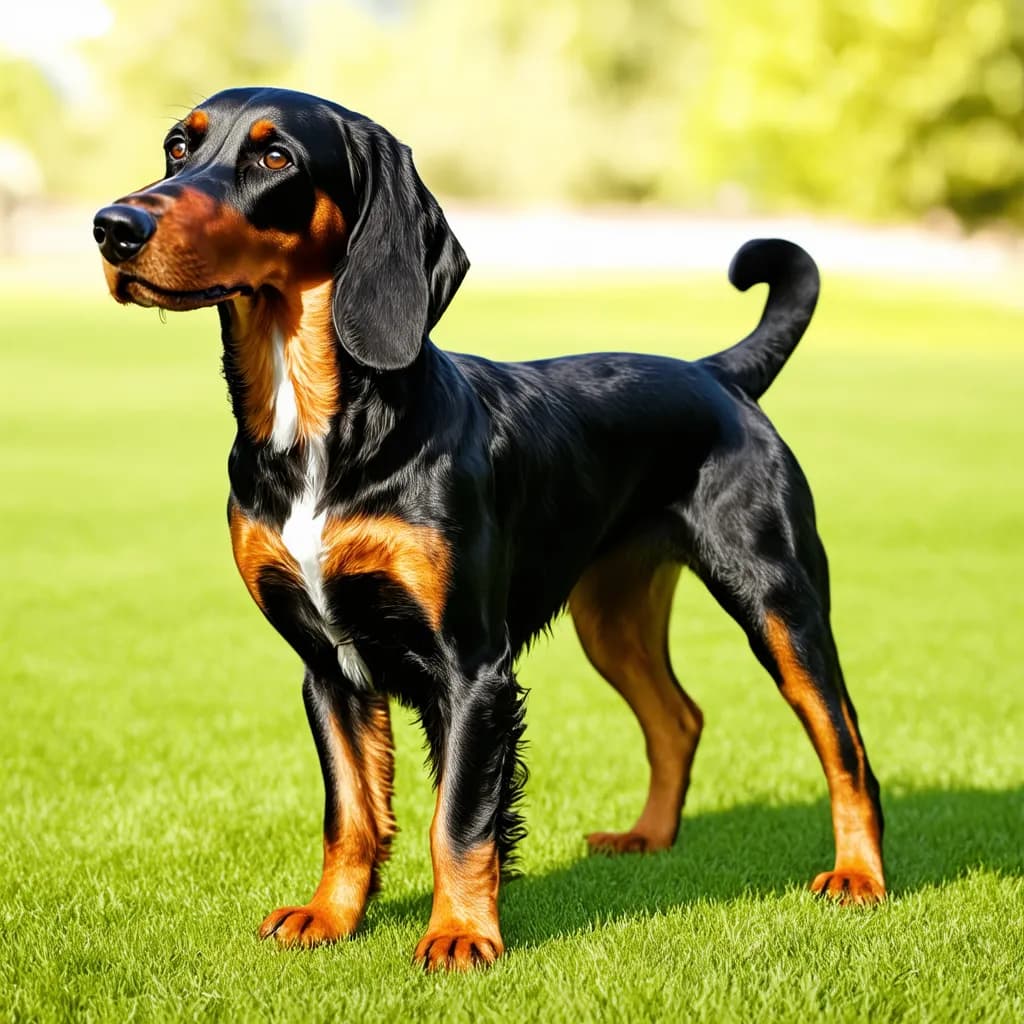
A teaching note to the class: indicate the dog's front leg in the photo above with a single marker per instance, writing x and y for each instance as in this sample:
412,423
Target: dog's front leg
352,733
474,742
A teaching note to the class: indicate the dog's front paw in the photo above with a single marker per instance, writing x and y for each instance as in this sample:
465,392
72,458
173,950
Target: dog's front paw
457,949
311,925
849,887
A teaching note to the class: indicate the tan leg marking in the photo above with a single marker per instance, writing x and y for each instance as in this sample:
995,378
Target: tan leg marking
620,608
378,749
463,931
365,829
858,875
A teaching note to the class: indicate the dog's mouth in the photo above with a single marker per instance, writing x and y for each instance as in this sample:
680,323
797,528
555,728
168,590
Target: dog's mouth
145,293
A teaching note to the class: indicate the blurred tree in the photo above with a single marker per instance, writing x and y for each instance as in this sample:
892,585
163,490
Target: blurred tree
872,108
636,62
30,111
30,139
868,107
508,100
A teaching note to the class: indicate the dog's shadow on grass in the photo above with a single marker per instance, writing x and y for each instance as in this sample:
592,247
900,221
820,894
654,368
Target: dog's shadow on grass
932,837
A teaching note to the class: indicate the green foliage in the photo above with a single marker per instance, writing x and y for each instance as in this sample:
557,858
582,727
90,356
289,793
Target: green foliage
871,108
30,113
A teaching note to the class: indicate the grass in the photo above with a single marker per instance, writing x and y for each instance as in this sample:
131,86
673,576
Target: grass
160,792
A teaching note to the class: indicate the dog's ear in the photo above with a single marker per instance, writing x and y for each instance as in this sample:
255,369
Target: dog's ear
403,263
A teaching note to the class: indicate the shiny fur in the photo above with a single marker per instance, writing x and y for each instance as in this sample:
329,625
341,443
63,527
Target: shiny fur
409,518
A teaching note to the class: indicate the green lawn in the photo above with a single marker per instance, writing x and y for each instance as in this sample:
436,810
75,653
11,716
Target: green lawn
160,791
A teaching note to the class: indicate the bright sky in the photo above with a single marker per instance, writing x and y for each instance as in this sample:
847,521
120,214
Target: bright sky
45,31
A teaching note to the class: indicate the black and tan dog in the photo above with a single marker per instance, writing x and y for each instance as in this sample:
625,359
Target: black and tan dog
409,518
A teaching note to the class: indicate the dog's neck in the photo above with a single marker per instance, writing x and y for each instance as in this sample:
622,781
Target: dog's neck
281,364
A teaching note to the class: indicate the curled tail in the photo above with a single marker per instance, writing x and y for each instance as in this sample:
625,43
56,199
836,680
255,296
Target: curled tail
793,284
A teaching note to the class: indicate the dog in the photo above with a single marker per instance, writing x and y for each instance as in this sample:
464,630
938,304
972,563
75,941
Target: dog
408,519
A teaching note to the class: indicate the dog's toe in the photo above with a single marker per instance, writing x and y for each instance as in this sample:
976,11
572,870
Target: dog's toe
849,888
451,950
306,926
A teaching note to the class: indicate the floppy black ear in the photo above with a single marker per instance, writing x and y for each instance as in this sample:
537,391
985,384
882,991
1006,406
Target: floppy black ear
403,263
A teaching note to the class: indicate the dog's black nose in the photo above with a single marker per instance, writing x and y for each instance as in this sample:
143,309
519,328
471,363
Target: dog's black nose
121,231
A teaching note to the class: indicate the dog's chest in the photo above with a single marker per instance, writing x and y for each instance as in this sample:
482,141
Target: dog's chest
297,569
302,536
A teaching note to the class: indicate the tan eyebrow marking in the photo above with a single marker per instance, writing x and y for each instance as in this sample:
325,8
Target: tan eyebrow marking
261,130
198,121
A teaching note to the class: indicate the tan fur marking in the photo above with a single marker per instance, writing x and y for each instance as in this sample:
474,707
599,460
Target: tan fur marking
465,889
200,243
464,928
304,326
620,608
309,355
378,758
416,557
261,130
327,222
349,858
257,547
365,829
252,327
855,824
198,121
112,276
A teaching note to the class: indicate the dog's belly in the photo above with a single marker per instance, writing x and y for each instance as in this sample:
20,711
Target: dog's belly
294,575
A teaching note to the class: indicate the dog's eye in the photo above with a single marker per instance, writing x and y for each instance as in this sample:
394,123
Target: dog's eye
177,149
275,160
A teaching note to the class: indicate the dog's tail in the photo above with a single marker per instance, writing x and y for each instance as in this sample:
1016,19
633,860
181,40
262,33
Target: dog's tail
793,284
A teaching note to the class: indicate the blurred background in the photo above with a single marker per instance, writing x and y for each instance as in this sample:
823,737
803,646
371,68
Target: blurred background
822,113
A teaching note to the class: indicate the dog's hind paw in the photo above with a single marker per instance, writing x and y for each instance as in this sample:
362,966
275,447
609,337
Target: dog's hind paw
611,843
849,888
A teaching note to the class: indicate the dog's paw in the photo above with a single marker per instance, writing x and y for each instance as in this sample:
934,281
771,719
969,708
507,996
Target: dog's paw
849,888
611,843
455,949
306,926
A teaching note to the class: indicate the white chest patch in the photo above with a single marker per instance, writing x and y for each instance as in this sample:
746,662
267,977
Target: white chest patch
302,535
286,412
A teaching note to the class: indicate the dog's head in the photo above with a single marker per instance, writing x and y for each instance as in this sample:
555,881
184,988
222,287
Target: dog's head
268,190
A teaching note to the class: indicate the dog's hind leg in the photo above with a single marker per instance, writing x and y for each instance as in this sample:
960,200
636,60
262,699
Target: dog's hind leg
757,549
802,656
620,608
